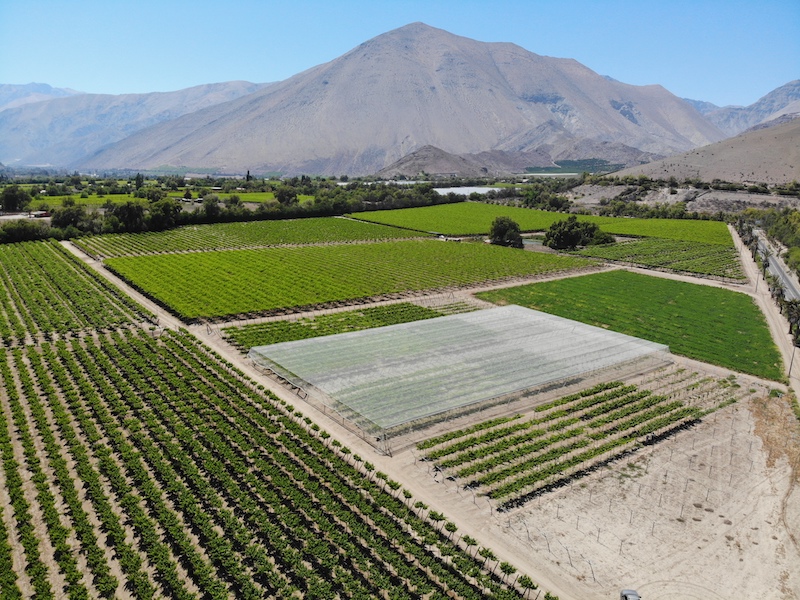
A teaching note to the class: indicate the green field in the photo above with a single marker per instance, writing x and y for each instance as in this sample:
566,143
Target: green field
224,236
475,218
709,324
690,257
215,284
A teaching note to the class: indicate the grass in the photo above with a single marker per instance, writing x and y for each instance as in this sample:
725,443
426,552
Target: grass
475,218
705,323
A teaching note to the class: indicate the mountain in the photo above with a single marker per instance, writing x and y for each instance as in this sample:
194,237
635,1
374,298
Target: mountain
62,131
734,120
408,88
765,154
12,95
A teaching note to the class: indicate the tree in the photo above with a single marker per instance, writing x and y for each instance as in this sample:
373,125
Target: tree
211,206
286,195
571,233
163,214
130,215
14,198
505,232
138,182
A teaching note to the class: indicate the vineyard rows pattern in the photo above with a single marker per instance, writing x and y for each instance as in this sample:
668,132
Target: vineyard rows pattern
676,255
231,236
274,332
215,284
160,471
511,459
44,290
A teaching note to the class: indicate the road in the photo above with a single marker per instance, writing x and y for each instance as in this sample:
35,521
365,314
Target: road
778,268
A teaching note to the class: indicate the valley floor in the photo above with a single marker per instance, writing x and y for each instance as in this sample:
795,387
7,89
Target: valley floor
712,512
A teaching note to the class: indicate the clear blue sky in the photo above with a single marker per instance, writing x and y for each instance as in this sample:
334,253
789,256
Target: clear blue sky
722,51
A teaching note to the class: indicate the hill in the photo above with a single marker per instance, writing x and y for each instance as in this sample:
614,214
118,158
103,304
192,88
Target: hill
408,88
762,155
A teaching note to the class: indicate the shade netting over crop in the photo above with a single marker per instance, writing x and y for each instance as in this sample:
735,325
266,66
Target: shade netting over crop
390,376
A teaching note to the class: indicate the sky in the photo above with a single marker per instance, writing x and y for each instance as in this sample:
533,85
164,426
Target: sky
728,52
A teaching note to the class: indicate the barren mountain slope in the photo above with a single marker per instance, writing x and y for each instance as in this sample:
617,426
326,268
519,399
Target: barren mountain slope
408,88
61,131
767,155
734,120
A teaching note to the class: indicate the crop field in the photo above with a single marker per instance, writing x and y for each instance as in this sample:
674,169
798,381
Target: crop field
229,236
215,284
475,218
45,290
152,469
709,324
389,380
274,332
512,458
690,257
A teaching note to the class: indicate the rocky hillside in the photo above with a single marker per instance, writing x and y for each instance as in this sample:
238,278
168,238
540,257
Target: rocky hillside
762,155
734,120
408,88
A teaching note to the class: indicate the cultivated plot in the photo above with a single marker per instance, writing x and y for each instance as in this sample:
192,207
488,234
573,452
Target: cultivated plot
475,218
391,376
229,236
215,284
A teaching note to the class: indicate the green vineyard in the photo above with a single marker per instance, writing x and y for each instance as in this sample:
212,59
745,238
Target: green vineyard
44,290
215,284
159,470
676,255
475,218
231,236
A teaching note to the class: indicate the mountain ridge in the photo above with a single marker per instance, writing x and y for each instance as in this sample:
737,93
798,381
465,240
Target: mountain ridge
386,98
415,86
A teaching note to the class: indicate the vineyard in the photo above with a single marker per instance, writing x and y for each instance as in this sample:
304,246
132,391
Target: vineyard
215,284
152,468
690,257
229,236
511,459
273,332
44,290
709,324
475,218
